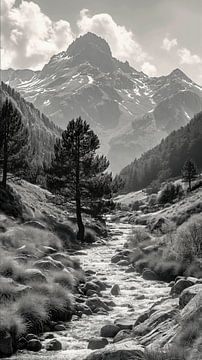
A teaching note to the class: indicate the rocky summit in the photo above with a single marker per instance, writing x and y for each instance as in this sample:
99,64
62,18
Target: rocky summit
129,110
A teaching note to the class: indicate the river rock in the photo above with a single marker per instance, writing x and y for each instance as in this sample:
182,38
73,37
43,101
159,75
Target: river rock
31,337
35,224
22,343
6,347
122,334
91,286
115,290
35,275
193,309
34,345
84,309
123,263
109,330
101,284
95,304
54,345
46,265
97,343
116,258
149,275
179,286
126,350
188,293
157,325
60,327
124,324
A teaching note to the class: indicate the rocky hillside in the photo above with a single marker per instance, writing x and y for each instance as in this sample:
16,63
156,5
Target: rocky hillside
87,80
43,132
166,160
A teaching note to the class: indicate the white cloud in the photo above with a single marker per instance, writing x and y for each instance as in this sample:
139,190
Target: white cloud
122,41
149,69
187,58
168,44
29,37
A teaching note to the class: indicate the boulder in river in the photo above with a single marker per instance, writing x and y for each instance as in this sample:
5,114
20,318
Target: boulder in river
116,258
115,290
109,330
95,304
122,334
34,345
54,345
149,275
124,323
97,343
123,262
180,285
126,350
188,293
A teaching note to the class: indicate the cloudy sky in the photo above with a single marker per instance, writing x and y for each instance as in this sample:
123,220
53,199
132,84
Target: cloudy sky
155,36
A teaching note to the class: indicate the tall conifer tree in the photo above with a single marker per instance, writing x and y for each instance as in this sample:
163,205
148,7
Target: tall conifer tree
77,172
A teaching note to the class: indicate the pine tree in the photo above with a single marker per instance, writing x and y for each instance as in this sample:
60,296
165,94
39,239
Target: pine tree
13,141
189,172
77,172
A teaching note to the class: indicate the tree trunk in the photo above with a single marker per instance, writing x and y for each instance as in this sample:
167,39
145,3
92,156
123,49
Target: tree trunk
5,161
189,183
81,230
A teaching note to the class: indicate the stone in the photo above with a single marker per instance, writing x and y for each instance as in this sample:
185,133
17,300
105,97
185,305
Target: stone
109,330
54,345
6,346
115,290
140,297
90,272
49,336
35,275
34,345
123,263
149,275
84,309
130,270
59,327
188,293
101,284
193,309
91,286
124,350
90,293
48,264
122,334
22,343
179,286
97,343
124,324
95,304
116,258
31,337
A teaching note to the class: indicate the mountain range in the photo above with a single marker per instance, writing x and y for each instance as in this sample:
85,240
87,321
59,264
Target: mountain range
130,111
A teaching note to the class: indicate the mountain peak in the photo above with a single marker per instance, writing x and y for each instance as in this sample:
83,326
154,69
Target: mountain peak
178,73
92,49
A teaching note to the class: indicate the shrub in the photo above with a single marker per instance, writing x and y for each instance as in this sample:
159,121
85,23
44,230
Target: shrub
65,279
10,268
12,323
170,192
138,235
32,309
31,237
59,301
188,241
90,236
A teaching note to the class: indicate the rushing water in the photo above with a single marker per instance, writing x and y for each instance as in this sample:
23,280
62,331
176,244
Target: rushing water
98,258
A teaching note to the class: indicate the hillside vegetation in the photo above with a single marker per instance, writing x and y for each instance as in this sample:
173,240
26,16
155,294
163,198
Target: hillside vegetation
166,159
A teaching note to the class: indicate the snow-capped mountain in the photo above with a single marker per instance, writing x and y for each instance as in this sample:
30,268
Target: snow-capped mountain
87,81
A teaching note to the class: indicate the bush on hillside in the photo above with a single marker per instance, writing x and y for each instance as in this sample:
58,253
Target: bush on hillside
10,202
12,323
170,192
188,239
138,236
